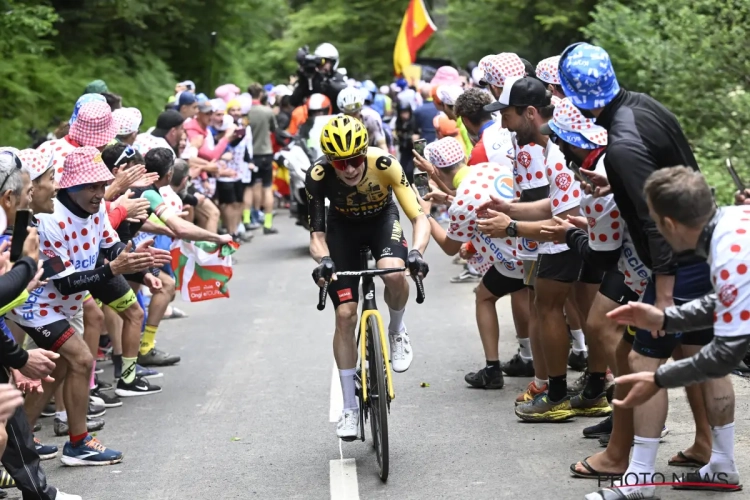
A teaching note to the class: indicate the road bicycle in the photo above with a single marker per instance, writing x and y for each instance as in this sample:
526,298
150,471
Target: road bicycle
374,380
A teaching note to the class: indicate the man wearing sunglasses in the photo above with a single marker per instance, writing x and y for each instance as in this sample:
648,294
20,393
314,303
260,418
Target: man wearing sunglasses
360,182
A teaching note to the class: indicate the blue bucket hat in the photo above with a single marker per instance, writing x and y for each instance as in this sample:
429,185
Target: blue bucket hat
83,100
587,76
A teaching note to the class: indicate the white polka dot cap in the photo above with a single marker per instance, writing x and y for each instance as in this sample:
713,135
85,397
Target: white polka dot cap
498,67
34,163
445,153
572,127
547,72
128,120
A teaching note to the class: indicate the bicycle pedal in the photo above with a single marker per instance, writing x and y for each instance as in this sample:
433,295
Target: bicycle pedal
349,439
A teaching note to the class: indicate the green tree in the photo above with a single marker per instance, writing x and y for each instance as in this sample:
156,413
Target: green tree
691,56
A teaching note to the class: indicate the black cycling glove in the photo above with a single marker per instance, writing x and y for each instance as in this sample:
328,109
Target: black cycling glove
325,270
416,264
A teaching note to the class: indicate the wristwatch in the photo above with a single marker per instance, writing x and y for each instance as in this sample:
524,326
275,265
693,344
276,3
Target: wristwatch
512,230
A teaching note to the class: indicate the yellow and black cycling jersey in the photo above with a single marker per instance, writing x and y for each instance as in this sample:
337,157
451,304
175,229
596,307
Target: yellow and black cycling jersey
383,176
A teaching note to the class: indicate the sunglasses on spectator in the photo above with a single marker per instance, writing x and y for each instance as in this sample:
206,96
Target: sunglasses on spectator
126,154
19,166
354,162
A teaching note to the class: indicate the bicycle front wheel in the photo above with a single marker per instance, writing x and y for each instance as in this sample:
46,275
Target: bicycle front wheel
378,394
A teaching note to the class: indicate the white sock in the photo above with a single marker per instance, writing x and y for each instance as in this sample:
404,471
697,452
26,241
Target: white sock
539,383
397,321
62,415
579,343
471,269
347,388
525,349
722,451
642,465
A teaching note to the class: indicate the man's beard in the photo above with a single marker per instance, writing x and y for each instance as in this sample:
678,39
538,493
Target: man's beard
525,135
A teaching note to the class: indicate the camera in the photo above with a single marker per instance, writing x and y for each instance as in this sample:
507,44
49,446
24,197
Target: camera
308,62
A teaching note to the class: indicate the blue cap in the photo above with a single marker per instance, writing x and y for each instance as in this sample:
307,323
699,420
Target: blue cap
186,99
268,87
587,76
201,98
83,100
402,83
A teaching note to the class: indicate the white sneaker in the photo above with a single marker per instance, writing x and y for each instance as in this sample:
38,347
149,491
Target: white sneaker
66,496
348,426
401,352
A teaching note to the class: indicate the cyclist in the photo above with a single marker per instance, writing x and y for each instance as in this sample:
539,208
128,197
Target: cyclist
359,182
351,101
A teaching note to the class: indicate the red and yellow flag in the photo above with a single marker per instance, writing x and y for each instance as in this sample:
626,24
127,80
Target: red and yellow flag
416,29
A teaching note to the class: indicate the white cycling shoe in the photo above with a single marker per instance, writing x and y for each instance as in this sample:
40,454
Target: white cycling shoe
348,425
401,351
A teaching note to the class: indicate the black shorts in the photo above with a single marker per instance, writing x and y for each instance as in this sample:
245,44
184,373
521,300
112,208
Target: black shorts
564,266
500,285
264,163
691,282
345,238
230,192
52,336
614,288
115,292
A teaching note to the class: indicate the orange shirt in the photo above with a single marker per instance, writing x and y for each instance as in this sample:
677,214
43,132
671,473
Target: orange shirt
299,116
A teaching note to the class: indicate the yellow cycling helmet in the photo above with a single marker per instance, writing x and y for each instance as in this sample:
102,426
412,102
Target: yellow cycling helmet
343,137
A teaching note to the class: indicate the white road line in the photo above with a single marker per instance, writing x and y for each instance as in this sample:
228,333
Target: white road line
344,479
337,398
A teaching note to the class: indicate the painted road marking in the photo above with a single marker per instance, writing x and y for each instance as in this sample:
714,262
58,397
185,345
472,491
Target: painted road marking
344,479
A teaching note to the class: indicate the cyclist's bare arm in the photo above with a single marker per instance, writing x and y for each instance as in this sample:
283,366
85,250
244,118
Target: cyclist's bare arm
316,204
406,197
318,246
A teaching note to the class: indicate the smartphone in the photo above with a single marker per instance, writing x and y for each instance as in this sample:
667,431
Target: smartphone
577,172
419,146
20,232
52,267
421,180
736,178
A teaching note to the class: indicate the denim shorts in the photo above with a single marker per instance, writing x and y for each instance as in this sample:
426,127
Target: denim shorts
691,282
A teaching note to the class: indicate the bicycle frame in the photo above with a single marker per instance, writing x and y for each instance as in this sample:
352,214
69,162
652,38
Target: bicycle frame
369,308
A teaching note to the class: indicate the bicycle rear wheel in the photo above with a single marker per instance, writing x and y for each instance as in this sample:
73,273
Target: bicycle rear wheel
378,394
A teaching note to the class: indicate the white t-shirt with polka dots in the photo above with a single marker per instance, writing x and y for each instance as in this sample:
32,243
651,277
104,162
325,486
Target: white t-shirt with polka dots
729,258
146,142
608,231
76,241
528,173
55,151
483,180
564,190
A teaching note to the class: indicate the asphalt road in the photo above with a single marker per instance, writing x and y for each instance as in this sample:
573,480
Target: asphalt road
247,412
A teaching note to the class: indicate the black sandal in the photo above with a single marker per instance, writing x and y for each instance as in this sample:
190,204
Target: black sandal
686,461
591,473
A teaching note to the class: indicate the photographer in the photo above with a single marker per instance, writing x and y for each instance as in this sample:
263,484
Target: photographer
317,75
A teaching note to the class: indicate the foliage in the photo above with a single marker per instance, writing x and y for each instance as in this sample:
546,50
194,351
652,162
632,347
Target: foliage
691,56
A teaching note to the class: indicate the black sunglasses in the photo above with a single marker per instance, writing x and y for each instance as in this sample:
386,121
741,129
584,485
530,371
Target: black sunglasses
19,166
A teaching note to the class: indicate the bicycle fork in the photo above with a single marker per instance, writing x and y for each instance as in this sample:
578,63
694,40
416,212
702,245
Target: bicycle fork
363,353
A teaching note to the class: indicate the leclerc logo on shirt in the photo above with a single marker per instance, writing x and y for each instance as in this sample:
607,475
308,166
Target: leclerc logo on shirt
504,186
529,245
85,263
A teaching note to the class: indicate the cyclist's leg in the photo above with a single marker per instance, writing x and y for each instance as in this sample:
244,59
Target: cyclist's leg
344,243
389,248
